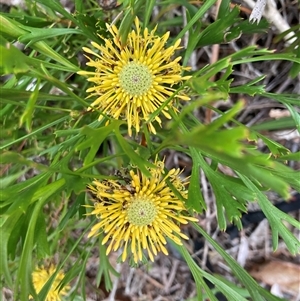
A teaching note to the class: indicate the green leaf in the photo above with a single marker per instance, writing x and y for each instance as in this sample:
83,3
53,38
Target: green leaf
19,196
284,98
201,82
21,95
10,179
42,128
128,19
199,274
25,266
221,142
106,269
192,42
8,227
226,202
94,138
42,245
186,111
295,115
286,174
197,16
278,124
219,122
276,149
295,70
251,285
262,170
210,139
74,183
72,211
135,159
79,265
290,157
218,31
224,9
28,112
148,12
11,157
79,6
250,88
13,29
267,56
248,28
195,198
32,21
231,194
17,237
92,25
38,34
56,6
12,60
276,218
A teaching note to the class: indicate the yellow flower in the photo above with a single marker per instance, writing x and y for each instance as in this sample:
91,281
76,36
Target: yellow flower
138,213
41,275
134,80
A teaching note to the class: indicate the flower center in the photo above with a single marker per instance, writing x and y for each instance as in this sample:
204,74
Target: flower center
141,212
135,79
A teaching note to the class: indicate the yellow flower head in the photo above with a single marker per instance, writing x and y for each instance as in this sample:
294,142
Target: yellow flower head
134,80
41,275
138,213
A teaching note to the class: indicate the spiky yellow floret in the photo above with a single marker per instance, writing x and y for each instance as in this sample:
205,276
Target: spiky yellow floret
41,275
140,213
132,81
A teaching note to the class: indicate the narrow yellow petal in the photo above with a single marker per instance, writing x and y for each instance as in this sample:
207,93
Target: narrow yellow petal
140,215
133,80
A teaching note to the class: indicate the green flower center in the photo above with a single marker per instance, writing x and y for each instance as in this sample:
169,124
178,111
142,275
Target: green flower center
135,79
141,212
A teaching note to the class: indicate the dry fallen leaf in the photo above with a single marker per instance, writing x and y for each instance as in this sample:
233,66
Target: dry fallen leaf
284,274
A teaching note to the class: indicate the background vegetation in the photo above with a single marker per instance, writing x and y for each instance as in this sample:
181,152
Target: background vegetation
52,148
